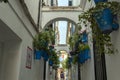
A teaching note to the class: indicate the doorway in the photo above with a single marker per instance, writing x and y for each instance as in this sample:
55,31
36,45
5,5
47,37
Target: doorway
9,53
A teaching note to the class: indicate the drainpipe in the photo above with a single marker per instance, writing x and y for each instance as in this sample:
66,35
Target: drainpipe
39,15
99,64
79,73
44,75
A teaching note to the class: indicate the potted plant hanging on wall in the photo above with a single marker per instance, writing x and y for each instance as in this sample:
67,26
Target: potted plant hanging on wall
41,44
50,62
87,52
104,17
97,1
53,58
101,20
84,38
84,53
105,14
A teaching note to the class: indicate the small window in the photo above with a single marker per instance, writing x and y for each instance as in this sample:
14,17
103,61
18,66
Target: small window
70,3
51,2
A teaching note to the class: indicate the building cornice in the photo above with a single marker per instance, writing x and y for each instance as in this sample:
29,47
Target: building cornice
27,13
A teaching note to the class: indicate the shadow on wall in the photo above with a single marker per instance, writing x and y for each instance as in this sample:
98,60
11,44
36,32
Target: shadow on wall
9,53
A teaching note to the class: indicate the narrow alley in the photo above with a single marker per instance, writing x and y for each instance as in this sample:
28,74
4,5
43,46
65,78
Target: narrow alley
59,39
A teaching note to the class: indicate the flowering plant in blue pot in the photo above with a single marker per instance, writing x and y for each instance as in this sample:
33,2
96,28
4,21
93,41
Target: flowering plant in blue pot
97,1
53,57
87,52
84,53
38,54
81,57
50,62
115,24
104,20
101,19
45,55
84,37
40,44
41,40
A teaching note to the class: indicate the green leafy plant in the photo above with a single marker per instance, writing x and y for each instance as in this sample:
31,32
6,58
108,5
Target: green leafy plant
82,47
41,41
53,56
102,41
51,35
73,39
75,59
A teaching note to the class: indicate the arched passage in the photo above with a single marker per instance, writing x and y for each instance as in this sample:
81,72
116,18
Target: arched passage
60,19
62,48
63,27
52,15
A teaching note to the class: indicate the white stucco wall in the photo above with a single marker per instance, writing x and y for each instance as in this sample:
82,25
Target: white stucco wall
11,60
62,48
47,71
76,2
87,69
49,14
10,18
48,2
74,72
88,4
33,8
113,61
16,59
53,74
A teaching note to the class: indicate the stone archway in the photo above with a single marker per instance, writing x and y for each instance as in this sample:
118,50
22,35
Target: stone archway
50,16
59,19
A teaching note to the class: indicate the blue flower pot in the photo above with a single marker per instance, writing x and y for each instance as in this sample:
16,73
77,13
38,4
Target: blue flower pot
87,54
115,25
84,38
81,57
38,54
105,20
45,56
50,62
97,1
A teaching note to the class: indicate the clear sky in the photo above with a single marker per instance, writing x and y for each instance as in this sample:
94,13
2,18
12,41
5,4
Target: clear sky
62,27
62,24
62,2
